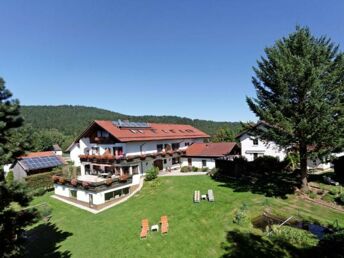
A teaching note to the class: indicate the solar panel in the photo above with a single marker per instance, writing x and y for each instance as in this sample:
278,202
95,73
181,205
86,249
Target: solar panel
127,124
41,162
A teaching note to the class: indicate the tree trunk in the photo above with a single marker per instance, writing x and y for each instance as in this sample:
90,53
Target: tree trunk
303,167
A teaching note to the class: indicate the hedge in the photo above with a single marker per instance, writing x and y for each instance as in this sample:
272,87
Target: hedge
41,180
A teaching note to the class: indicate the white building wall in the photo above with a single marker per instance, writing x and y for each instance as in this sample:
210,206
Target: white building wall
61,190
197,162
74,155
262,149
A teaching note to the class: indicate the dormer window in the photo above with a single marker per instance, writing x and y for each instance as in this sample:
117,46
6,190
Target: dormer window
133,131
172,131
255,141
164,131
140,131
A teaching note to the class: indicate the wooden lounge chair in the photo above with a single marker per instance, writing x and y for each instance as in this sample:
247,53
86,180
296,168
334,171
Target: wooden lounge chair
144,228
211,195
164,224
144,232
197,196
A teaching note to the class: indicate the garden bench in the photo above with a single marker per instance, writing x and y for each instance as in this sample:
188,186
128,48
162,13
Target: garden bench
197,196
211,195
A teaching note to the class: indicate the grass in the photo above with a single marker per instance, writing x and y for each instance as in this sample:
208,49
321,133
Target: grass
195,230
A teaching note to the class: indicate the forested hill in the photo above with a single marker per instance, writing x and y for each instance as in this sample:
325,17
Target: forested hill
72,120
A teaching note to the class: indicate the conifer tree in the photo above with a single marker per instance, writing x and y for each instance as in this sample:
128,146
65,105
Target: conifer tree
12,220
300,87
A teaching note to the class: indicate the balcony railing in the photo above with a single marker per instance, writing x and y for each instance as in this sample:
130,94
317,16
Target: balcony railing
93,185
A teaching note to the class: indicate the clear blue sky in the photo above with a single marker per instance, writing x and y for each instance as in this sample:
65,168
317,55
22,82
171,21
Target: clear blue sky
186,58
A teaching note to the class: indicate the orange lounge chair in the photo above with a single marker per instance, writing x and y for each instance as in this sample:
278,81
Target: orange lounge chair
144,223
144,232
164,219
164,229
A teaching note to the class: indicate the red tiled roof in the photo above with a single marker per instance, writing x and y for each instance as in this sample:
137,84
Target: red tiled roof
154,132
38,154
210,149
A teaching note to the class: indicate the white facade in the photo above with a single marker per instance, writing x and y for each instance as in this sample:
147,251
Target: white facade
199,162
253,147
96,198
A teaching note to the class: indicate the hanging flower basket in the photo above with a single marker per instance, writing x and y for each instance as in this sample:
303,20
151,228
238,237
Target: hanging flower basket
123,178
62,180
85,185
108,182
74,182
55,178
142,157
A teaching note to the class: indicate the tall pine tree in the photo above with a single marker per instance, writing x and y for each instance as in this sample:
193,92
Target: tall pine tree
12,221
300,87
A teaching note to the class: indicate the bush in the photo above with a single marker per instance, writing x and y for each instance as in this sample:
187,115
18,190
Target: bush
312,195
194,169
185,169
9,177
341,198
152,173
42,180
328,198
240,215
38,192
297,237
205,169
266,164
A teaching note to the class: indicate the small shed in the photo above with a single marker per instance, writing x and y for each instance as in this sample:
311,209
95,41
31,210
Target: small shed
34,163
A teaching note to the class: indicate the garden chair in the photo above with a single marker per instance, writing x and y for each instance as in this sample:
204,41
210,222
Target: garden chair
211,195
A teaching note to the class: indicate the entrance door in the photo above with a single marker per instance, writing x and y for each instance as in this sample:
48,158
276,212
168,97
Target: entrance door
158,163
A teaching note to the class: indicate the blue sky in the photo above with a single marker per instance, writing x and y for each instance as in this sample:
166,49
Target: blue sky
186,58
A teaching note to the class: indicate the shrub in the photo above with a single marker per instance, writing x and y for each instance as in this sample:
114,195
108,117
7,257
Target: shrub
185,169
266,164
297,237
152,173
240,215
205,169
38,192
312,195
9,177
213,171
341,198
328,198
334,191
42,180
194,169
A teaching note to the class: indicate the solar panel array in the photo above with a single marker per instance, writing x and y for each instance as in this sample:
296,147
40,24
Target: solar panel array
41,162
127,124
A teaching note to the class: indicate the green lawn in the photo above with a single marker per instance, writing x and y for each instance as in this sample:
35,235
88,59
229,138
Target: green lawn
195,230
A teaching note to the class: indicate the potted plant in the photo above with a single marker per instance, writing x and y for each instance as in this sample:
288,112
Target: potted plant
108,182
85,185
74,182
55,178
62,180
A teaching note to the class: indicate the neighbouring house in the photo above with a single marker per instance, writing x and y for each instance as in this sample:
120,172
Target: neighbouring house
113,155
34,163
204,155
57,149
253,147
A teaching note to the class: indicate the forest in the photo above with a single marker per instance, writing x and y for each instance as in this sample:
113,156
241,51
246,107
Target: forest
61,124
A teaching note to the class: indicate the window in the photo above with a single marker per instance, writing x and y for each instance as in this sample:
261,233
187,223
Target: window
118,151
204,163
189,162
255,141
140,131
133,131
159,147
101,133
73,193
255,155
175,161
175,146
165,161
172,131
153,130
164,131
187,144
95,150
181,131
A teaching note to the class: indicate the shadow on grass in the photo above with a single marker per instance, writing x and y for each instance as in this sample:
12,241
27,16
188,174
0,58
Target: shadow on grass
244,244
43,241
270,185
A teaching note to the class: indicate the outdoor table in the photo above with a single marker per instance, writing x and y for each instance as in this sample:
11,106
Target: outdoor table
155,228
204,197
